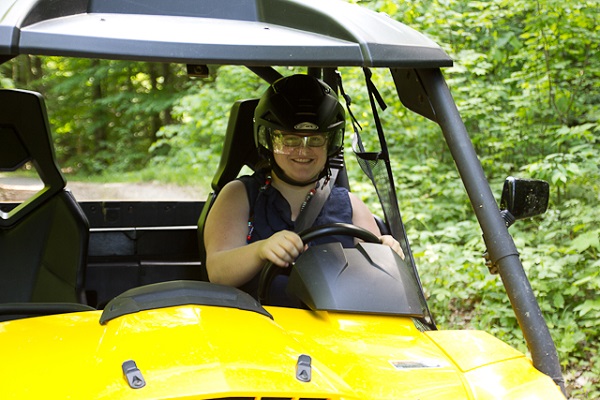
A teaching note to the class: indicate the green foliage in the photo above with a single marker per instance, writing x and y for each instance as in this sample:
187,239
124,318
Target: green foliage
193,143
111,109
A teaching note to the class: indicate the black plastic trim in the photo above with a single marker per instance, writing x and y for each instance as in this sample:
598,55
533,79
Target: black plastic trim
52,9
178,293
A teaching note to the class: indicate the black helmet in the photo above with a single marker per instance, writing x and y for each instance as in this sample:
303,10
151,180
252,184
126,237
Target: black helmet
299,104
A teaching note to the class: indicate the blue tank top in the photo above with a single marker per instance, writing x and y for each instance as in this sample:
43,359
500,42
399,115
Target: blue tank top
270,213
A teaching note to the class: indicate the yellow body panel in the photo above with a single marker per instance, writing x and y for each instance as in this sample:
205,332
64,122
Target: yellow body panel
493,369
202,352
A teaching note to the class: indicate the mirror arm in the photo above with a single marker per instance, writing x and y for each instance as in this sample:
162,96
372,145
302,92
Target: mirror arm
508,218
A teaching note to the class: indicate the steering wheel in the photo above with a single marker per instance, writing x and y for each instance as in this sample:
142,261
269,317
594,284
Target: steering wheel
270,270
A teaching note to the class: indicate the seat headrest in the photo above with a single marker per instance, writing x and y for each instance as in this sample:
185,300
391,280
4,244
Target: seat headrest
239,149
12,152
25,137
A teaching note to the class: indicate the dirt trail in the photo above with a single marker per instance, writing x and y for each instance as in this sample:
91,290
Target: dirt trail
133,191
85,191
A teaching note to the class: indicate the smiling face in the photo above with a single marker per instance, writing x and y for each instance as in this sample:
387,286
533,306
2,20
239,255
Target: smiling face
302,158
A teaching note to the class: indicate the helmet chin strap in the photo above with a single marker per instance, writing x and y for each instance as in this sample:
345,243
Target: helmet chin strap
284,177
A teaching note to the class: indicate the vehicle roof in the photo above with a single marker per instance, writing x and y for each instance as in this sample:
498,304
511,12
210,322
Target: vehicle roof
324,33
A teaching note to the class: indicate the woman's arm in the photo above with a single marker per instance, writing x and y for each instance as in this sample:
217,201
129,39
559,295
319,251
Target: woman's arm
229,260
362,216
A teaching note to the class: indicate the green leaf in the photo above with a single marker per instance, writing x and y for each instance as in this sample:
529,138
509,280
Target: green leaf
585,241
558,300
588,306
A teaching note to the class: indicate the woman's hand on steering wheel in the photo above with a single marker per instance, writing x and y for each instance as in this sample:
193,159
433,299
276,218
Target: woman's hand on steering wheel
281,249
389,240
286,245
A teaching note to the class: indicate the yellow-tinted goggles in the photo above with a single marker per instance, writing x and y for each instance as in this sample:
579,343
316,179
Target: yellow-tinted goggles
284,142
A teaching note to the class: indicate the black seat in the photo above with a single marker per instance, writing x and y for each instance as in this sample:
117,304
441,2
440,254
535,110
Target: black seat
239,150
43,241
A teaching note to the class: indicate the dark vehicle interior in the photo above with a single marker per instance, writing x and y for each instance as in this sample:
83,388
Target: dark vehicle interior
97,250
138,243
87,252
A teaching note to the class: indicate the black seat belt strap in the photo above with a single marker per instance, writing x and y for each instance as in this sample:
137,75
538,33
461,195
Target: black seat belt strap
311,211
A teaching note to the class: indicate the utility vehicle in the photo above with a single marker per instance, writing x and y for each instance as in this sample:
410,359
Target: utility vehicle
109,299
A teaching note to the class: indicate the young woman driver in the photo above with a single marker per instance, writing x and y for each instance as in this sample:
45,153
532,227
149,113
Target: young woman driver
298,124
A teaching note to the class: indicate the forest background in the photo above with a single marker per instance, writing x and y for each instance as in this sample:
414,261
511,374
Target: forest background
526,80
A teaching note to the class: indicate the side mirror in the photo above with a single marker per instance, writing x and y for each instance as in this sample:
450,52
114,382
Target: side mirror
524,198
